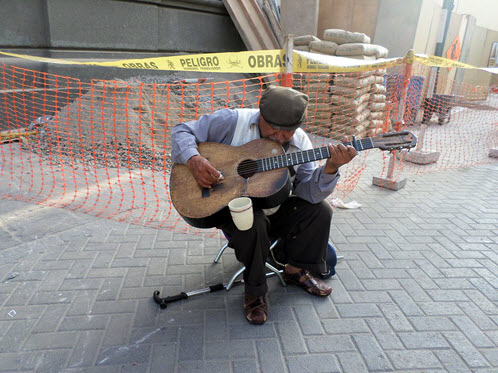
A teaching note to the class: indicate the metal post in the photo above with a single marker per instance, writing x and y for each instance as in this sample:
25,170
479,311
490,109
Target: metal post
389,182
448,6
289,48
409,59
417,156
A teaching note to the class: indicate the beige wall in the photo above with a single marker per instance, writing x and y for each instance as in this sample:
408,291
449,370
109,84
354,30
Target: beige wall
427,27
476,53
446,76
485,11
491,37
396,26
351,15
299,17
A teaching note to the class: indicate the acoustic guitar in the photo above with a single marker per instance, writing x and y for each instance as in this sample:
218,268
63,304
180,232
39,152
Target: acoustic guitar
259,170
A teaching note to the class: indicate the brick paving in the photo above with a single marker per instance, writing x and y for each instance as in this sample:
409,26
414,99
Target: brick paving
416,291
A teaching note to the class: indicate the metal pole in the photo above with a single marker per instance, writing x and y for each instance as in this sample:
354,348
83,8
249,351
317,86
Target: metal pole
448,6
409,59
289,47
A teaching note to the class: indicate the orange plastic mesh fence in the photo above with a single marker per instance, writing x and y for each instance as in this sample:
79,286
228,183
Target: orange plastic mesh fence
103,147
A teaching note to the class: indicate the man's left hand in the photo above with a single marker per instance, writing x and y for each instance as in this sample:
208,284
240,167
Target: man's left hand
339,155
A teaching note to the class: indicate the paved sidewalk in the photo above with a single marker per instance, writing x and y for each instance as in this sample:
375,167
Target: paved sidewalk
416,291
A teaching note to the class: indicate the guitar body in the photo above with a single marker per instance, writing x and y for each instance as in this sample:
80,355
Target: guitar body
261,163
207,208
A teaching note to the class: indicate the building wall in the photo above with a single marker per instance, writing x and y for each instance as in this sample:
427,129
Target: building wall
299,17
427,27
492,36
110,25
397,25
484,11
351,15
112,29
446,77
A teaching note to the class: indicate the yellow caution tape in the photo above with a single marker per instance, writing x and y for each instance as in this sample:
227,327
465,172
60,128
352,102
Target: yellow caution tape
262,61
442,62
305,62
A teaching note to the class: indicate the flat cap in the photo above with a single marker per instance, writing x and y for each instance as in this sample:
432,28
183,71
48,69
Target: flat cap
283,108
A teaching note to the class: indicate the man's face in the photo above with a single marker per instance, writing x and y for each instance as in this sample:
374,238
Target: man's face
268,132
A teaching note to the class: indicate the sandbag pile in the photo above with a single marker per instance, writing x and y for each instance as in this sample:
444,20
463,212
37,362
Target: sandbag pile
350,103
316,86
378,102
343,104
336,42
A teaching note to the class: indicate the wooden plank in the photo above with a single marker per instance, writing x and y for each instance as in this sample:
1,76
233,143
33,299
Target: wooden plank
269,10
251,24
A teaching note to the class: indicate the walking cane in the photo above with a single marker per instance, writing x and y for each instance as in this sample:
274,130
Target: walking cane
163,302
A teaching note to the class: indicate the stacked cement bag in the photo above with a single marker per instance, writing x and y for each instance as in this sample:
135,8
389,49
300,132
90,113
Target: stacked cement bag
356,102
377,103
354,45
350,104
310,43
301,43
341,43
316,87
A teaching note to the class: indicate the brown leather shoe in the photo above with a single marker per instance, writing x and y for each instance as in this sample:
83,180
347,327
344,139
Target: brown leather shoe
311,284
255,309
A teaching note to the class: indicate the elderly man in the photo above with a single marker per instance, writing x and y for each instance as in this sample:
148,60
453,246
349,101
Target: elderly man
302,221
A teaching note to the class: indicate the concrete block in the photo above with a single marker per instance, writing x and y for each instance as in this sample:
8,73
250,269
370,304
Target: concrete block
86,349
417,360
207,32
423,340
312,363
95,322
244,366
308,320
190,343
23,24
371,352
389,183
419,157
47,341
292,340
124,355
101,24
269,360
300,17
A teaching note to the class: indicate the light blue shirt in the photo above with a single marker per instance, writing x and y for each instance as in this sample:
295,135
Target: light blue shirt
311,183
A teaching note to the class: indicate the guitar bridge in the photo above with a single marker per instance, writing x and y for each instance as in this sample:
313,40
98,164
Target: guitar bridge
205,192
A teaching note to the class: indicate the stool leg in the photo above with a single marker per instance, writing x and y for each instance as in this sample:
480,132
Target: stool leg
276,272
220,253
234,277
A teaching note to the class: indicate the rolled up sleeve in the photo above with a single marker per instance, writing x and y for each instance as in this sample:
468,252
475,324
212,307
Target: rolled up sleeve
313,184
216,127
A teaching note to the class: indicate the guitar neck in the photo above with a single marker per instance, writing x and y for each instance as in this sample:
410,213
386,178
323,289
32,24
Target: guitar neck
305,156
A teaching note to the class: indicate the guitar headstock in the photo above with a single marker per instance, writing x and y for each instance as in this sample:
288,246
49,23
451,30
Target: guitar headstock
395,140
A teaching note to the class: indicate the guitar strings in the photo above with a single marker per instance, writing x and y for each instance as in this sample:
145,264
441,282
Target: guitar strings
254,166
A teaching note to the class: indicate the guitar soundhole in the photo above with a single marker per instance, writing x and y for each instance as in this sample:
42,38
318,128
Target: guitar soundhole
247,168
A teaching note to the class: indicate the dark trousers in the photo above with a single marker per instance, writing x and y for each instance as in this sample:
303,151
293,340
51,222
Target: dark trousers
304,229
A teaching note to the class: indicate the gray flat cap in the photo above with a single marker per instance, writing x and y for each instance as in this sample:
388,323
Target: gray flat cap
283,108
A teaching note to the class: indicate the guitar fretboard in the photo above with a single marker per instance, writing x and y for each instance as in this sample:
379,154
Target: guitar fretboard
305,156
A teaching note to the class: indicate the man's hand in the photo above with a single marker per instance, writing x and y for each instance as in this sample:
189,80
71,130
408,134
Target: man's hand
339,155
204,172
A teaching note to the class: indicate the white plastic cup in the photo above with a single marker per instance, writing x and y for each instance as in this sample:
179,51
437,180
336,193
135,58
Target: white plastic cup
241,211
